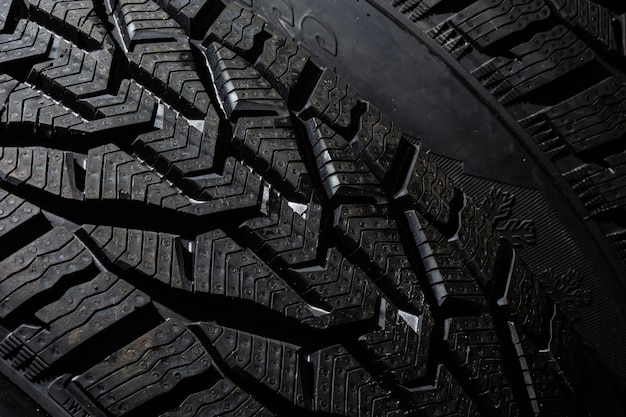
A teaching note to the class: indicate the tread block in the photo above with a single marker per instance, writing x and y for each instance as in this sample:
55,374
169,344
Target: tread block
341,171
79,315
256,357
286,234
236,28
547,56
485,22
427,188
237,187
155,255
451,281
239,86
376,141
18,219
222,267
7,15
169,69
224,399
599,186
543,389
401,347
41,168
475,347
342,287
28,42
282,62
74,75
38,267
191,15
113,175
344,388
372,237
75,19
186,155
132,106
7,85
32,110
414,9
594,20
523,299
162,359
564,348
477,242
332,100
445,397
592,118
178,149
269,145
143,21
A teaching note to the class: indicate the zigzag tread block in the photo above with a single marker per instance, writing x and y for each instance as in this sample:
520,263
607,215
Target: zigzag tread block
81,314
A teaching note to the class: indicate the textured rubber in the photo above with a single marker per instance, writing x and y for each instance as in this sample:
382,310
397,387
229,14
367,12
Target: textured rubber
196,219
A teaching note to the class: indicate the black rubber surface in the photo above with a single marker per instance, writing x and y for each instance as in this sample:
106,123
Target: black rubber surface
433,95
200,216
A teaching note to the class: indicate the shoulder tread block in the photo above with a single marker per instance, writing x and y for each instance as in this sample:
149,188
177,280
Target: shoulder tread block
477,242
547,56
240,87
236,28
451,281
332,100
600,187
376,141
485,22
269,145
594,20
523,299
340,169
590,119
427,188
282,62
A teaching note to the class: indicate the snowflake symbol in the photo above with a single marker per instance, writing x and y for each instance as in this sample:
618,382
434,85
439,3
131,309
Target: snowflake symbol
498,206
565,290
